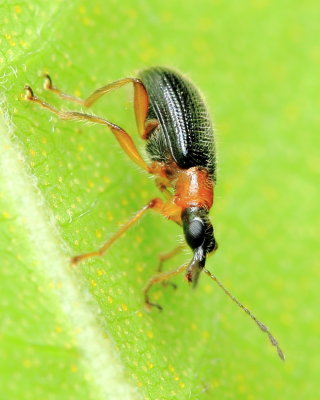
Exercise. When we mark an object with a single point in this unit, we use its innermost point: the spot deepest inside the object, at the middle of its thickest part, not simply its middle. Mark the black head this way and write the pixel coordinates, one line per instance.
(198, 232)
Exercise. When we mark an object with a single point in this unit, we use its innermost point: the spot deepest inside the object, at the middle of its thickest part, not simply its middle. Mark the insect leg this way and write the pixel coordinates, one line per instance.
(153, 204)
(162, 277)
(48, 85)
(141, 100)
(166, 256)
(95, 96)
(122, 136)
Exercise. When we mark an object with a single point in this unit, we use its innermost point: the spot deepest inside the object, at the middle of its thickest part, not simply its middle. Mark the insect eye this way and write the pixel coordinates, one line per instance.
(195, 234)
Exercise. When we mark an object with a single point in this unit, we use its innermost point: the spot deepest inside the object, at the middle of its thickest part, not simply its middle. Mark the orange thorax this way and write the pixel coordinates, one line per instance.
(193, 188)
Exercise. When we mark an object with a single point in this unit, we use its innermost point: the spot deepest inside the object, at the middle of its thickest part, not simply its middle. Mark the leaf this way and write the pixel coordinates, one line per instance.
(73, 333)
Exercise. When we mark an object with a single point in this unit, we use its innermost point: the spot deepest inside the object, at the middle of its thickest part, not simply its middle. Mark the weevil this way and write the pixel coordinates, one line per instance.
(173, 120)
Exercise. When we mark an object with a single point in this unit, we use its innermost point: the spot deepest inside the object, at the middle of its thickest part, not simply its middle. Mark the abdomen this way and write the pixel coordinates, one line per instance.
(185, 133)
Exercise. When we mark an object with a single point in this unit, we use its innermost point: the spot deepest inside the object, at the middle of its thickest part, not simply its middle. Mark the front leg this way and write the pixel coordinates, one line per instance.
(162, 277)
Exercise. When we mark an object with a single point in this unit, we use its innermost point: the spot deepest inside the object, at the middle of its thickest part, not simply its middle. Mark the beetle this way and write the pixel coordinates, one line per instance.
(173, 120)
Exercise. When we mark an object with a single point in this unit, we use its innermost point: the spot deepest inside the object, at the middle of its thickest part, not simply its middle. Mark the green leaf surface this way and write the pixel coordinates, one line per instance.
(83, 333)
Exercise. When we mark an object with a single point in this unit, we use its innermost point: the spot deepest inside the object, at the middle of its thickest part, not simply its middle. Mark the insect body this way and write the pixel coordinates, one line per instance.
(173, 120)
(181, 147)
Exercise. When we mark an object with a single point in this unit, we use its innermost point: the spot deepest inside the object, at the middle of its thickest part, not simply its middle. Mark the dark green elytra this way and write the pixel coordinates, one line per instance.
(185, 132)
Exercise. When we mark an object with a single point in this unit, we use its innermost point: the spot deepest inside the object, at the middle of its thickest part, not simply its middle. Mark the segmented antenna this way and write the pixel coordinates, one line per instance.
(264, 329)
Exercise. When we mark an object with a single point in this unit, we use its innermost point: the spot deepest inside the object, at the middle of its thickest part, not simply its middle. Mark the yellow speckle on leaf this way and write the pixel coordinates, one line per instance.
(17, 9)
(132, 13)
(182, 385)
(150, 334)
(91, 184)
(259, 4)
(166, 16)
(98, 234)
(109, 216)
(110, 299)
(144, 194)
(80, 147)
(58, 329)
(100, 272)
(242, 388)
(171, 368)
(208, 288)
(93, 282)
(139, 268)
(193, 327)
(23, 43)
(205, 335)
(287, 319)
(33, 152)
(215, 383)
(150, 365)
(77, 93)
(27, 363)
(205, 23)
(124, 307)
(73, 368)
(87, 21)
(6, 215)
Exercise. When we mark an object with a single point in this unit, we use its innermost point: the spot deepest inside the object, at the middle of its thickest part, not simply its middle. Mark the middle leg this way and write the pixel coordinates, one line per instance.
(155, 204)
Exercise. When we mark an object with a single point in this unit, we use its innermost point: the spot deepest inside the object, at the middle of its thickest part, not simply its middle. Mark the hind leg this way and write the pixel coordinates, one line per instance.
(121, 135)
(141, 100)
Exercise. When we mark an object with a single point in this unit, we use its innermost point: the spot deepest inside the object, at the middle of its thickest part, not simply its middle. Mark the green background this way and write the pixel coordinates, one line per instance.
(83, 333)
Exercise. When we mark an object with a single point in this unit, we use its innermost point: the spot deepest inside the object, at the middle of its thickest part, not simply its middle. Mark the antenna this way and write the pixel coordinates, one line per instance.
(263, 328)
